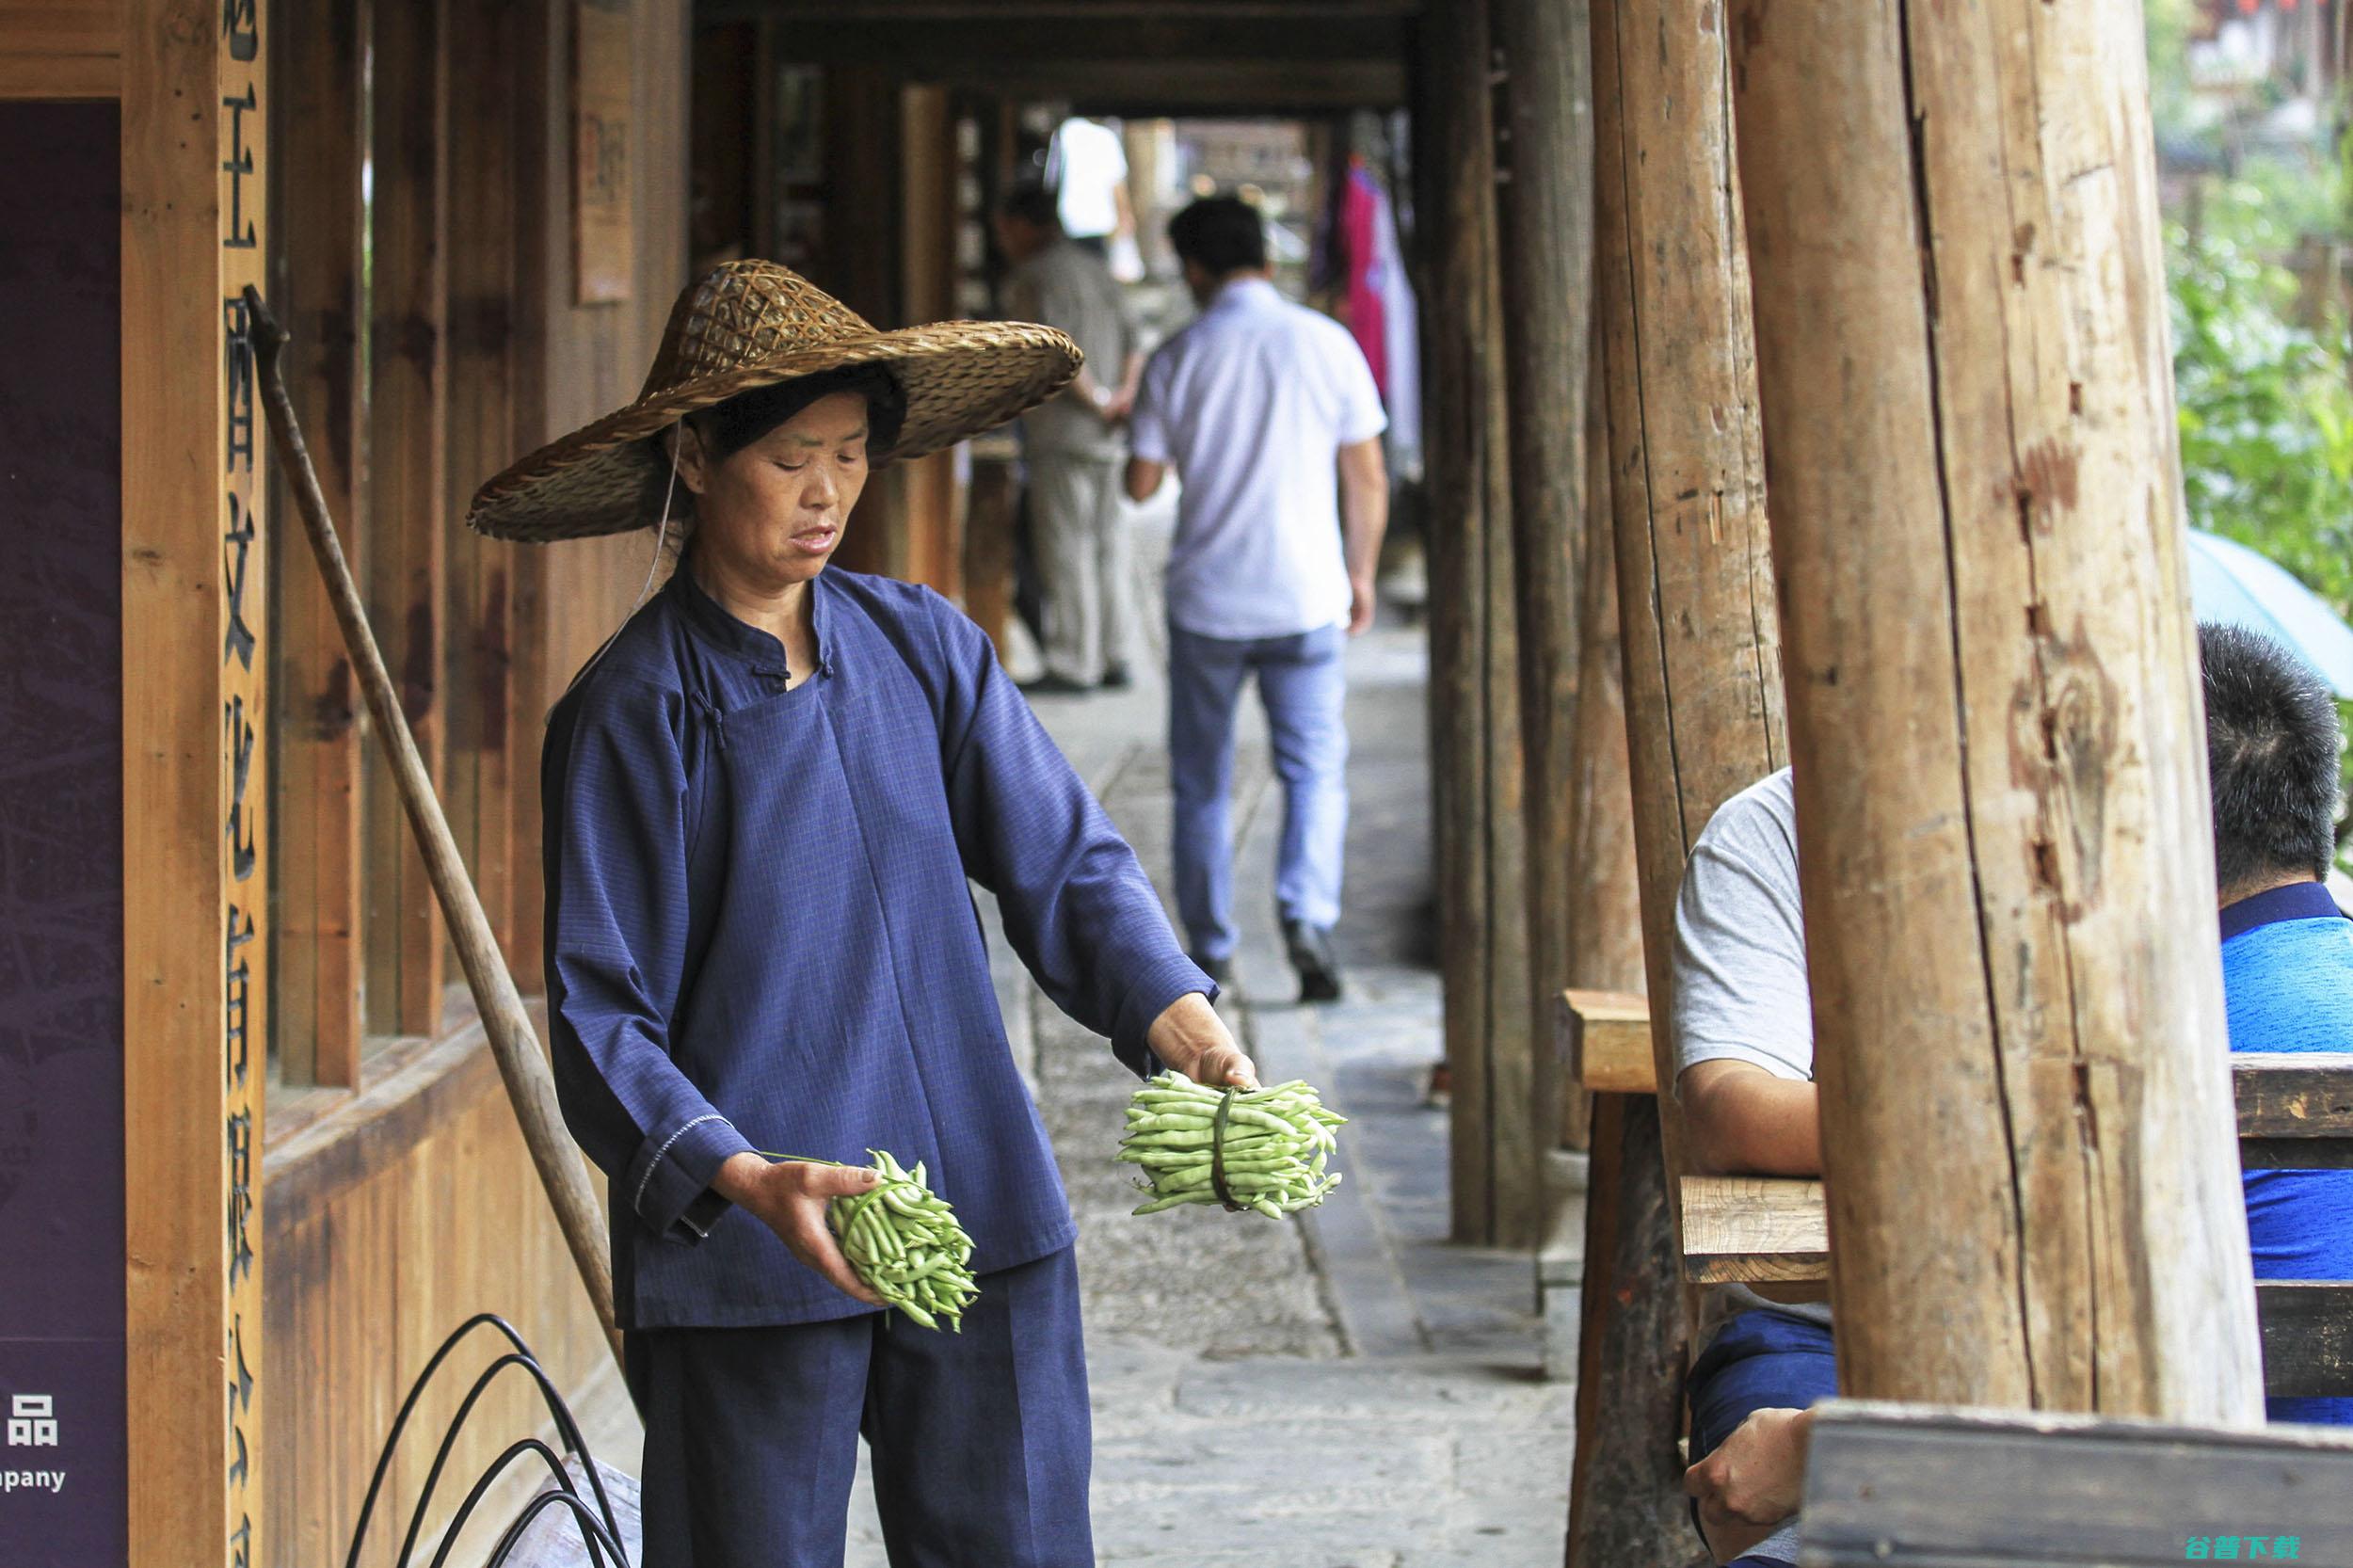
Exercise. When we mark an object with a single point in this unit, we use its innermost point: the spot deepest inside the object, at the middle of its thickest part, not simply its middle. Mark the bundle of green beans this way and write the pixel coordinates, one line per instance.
(904, 1242)
(1267, 1146)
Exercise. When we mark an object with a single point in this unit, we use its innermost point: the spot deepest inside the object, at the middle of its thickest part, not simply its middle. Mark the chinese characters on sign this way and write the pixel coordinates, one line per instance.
(244, 749)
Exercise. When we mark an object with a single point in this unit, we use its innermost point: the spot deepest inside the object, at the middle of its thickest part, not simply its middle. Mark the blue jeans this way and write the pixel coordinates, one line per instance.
(1302, 684)
(1759, 1360)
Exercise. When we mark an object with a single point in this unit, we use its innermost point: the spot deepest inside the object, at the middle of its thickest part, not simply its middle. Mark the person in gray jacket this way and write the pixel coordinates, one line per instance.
(1075, 447)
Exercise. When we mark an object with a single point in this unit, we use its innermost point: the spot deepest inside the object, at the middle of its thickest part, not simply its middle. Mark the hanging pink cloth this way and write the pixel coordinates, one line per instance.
(1360, 216)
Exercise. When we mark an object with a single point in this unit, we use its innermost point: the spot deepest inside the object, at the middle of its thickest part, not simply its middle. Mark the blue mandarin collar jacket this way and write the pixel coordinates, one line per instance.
(759, 934)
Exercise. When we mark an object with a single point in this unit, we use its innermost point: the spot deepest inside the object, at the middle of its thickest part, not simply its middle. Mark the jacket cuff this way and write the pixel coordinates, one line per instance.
(1149, 997)
(668, 1184)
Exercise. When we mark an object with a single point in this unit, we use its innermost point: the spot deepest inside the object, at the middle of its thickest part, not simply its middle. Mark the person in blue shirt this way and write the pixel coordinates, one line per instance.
(764, 801)
(2272, 754)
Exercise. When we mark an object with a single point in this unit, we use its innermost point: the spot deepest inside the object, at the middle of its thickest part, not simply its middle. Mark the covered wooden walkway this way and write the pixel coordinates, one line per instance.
(1904, 259)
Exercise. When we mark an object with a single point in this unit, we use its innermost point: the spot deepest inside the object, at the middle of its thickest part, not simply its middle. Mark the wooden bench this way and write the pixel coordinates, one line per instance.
(1890, 1485)
(2295, 1111)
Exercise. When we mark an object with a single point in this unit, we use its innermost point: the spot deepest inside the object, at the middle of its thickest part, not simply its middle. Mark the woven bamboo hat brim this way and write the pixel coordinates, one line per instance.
(752, 324)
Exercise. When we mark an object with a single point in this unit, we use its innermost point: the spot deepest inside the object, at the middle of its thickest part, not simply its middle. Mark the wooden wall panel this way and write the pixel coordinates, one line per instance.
(406, 550)
(61, 48)
(578, 362)
(480, 422)
(383, 1244)
(415, 1204)
(320, 62)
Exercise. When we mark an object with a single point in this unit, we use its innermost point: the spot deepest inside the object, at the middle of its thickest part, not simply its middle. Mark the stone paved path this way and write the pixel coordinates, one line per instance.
(1348, 1392)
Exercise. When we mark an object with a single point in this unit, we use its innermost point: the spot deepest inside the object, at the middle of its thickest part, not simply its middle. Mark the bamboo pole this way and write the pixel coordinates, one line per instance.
(1546, 205)
(2003, 821)
(513, 1042)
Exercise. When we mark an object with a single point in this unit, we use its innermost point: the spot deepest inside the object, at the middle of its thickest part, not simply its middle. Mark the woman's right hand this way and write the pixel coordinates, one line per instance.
(789, 1197)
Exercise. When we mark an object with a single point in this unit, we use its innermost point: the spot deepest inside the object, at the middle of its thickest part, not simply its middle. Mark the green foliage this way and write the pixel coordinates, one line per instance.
(2266, 407)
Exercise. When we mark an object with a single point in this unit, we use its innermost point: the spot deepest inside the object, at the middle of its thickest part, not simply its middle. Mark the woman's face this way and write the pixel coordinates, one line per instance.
(778, 507)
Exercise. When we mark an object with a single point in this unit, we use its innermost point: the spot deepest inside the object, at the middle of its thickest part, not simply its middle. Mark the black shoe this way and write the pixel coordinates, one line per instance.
(1220, 970)
(1054, 685)
(1311, 954)
(1116, 679)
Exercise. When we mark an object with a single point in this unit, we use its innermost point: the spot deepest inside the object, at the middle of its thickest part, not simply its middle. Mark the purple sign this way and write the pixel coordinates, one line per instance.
(62, 1443)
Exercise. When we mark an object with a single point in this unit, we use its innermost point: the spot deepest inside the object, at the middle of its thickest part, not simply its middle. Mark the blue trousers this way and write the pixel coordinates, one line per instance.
(1302, 684)
(982, 1441)
(1759, 1360)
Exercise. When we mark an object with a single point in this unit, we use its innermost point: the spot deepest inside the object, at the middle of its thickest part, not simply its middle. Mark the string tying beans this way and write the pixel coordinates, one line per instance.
(1261, 1149)
(905, 1242)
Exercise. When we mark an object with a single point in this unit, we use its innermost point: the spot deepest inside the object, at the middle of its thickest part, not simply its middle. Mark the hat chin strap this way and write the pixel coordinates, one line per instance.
(661, 538)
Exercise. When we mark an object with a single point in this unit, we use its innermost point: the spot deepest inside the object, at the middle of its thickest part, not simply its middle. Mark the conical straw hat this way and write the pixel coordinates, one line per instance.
(751, 324)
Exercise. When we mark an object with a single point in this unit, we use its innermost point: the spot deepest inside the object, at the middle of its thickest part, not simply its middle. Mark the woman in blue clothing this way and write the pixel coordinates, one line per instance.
(763, 801)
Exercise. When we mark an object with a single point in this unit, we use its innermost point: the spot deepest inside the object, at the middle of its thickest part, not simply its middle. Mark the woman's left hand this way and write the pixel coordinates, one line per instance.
(1195, 1041)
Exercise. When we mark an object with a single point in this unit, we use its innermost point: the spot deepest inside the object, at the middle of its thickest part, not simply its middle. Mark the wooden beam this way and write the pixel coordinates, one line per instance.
(2292, 1093)
(2003, 823)
(1738, 1229)
(61, 49)
(408, 552)
(1545, 209)
(196, 101)
(1911, 1486)
(1605, 1042)
(321, 54)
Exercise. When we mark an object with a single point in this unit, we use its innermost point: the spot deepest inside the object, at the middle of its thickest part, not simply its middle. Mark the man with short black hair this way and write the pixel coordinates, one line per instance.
(1268, 412)
(1073, 446)
(2273, 750)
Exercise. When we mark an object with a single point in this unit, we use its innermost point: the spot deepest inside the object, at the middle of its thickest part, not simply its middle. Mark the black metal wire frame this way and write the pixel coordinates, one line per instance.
(568, 1428)
(597, 1543)
(589, 1529)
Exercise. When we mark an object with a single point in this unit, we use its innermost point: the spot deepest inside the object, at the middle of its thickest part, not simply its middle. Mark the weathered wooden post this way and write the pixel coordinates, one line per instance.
(1545, 142)
(1701, 659)
(2026, 1111)
(1474, 688)
(1626, 1195)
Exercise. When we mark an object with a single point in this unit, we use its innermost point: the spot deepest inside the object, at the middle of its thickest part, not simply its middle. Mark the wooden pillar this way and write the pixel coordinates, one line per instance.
(1546, 211)
(1696, 587)
(2002, 808)
(320, 52)
(1475, 701)
(407, 551)
(1702, 676)
(1624, 1499)
(196, 105)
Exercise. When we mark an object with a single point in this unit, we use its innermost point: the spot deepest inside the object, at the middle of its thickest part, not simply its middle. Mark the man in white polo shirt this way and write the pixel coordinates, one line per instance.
(1268, 413)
